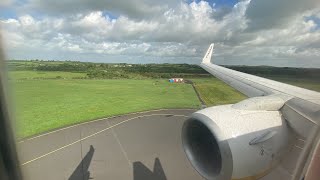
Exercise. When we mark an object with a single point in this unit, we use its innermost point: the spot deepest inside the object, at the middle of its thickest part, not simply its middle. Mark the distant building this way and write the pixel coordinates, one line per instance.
(176, 80)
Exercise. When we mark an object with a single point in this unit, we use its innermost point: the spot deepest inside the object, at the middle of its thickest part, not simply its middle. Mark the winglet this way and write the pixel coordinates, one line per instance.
(207, 57)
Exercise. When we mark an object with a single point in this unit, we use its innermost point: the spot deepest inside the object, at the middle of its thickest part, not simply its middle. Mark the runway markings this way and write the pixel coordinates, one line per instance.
(96, 133)
(101, 119)
(121, 147)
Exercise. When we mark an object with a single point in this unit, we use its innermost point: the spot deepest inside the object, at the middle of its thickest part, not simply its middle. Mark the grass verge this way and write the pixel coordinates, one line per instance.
(43, 105)
(215, 92)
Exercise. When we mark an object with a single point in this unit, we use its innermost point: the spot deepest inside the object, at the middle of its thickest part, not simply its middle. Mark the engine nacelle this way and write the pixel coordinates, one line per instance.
(235, 141)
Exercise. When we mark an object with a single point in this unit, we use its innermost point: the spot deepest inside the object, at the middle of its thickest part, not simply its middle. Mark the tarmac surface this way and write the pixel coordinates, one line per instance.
(139, 146)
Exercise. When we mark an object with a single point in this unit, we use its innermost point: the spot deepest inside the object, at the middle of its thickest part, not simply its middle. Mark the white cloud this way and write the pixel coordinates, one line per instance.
(5, 3)
(135, 8)
(276, 14)
(173, 30)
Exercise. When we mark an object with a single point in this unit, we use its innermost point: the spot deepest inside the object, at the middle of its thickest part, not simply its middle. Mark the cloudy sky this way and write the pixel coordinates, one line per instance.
(256, 32)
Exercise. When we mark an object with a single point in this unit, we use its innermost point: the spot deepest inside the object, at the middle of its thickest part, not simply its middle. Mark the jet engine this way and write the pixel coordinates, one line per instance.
(244, 140)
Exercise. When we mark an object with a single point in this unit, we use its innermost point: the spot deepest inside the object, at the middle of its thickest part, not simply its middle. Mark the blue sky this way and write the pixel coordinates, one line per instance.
(247, 32)
(8, 13)
(316, 20)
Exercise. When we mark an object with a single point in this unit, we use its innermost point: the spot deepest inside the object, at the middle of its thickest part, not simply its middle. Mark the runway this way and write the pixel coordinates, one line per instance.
(137, 146)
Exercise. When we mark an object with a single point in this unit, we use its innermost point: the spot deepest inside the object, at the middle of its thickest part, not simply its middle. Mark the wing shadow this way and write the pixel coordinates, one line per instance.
(141, 172)
(81, 172)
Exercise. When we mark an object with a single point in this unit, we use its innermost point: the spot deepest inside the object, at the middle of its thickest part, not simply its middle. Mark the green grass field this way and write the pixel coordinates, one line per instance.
(215, 92)
(43, 105)
(47, 100)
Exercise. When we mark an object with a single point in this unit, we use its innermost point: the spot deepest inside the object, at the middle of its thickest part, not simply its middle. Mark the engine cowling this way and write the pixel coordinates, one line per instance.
(235, 141)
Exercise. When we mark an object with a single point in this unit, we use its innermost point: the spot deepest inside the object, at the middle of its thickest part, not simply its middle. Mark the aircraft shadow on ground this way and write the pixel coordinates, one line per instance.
(141, 172)
(82, 172)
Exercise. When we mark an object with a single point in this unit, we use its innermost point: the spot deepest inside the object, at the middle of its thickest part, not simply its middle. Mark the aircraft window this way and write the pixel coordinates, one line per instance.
(107, 89)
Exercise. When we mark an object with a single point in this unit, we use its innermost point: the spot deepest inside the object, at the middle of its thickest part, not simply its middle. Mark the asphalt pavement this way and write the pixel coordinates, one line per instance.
(139, 146)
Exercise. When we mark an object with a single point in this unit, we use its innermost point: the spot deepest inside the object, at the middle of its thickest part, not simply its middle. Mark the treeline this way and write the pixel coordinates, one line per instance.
(288, 72)
(142, 71)
(137, 75)
(113, 71)
(85, 66)
(50, 66)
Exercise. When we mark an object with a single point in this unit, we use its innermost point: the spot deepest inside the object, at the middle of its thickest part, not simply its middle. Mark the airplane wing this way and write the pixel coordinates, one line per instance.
(271, 135)
(252, 86)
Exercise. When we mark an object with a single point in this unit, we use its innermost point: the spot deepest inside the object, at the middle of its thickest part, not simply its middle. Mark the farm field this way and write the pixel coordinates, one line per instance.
(43, 105)
(215, 92)
(58, 94)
